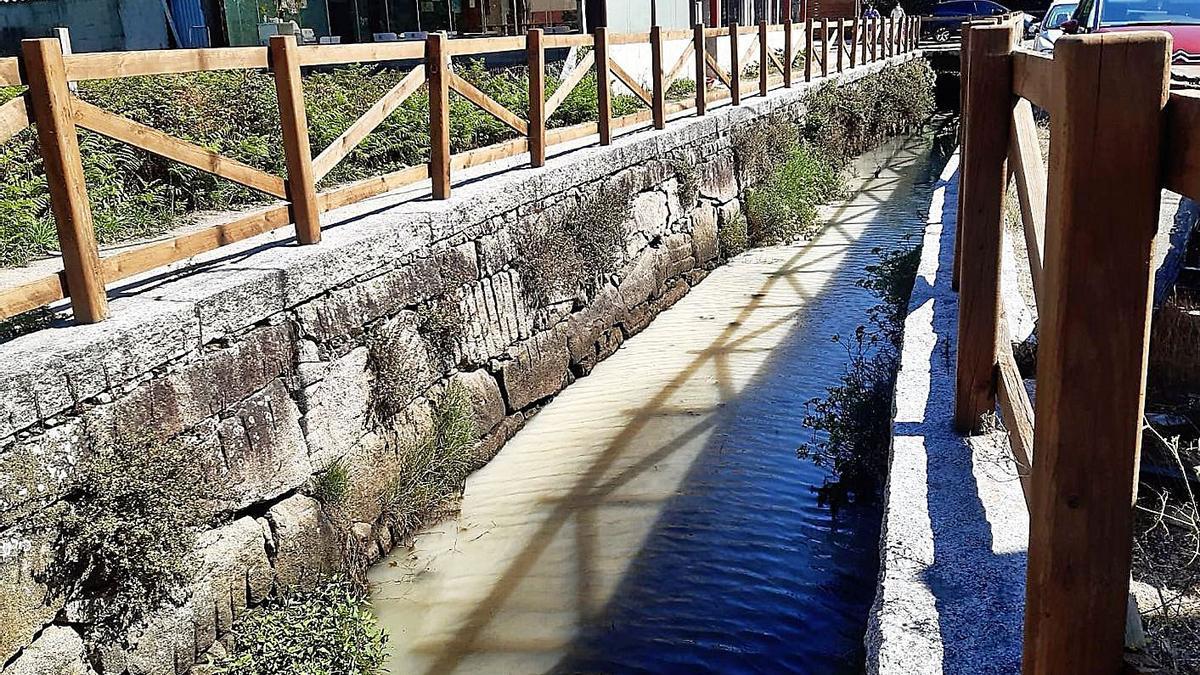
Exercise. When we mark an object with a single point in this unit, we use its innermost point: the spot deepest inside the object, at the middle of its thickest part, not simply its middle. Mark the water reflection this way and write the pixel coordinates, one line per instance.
(654, 516)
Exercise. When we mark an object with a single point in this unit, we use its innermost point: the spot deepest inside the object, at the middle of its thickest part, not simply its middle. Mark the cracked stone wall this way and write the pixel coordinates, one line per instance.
(273, 361)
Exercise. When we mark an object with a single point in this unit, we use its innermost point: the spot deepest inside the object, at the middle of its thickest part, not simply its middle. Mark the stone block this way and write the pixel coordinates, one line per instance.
(36, 471)
(23, 607)
(497, 251)
(640, 279)
(677, 259)
(537, 370)
(346, 311)
(651, 215)
(202, 388)
(717, 178)
(336, 408)
(57, 651)
(403, 362)
(258, 453)
(307, 544)
(487, 403)
(705, 246)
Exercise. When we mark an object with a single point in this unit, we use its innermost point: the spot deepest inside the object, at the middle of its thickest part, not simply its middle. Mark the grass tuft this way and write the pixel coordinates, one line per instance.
(328, 630)
(433, 469)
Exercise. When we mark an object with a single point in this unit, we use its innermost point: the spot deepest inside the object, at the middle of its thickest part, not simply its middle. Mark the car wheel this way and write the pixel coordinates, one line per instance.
(942, 35)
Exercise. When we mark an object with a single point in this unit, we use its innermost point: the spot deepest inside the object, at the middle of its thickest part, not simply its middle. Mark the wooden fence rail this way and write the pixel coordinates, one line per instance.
(1118, 136)
(57, 113)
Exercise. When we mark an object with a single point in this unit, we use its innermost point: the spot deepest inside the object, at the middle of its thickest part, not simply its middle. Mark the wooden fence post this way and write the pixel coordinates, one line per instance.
(735, 69)
(989, 107)
(537, 96)
(658, 93)
(789, 49)
(853, 41)
(701, 69)
(824, 47)
(963, 90)
(763, 62)
(59, 146)
(439, 114)
(1102, 216)
(841, 44)
(297, 154)
(808, 49)
(603, 87)
(865, 40)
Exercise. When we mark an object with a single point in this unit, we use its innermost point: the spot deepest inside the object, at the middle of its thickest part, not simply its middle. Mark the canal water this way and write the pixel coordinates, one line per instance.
(654, 517)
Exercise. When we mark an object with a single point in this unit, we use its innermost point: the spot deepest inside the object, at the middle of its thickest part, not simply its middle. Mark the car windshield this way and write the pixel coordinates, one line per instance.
(1132, 12)
(1057, 15)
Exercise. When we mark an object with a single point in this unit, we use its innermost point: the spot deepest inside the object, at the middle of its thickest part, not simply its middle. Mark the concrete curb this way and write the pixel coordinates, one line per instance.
(951, 589)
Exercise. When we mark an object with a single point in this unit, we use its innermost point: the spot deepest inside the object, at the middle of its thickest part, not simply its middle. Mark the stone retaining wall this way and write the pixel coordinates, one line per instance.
(271, 362)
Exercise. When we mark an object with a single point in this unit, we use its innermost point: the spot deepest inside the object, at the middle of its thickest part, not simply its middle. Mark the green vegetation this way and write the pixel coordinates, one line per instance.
(235, 113)
(331, 487)
(732, 236)
(843, 122)
(126, 532)
(433, 469)
(784, 206)
(851, 424)
(688, 175)
(329, 630)
(575, 251)
(795, 168)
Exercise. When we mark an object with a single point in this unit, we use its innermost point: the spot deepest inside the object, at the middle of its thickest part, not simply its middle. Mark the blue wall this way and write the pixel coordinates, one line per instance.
(96, 25)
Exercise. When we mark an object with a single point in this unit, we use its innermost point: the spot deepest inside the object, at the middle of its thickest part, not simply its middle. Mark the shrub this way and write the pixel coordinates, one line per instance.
(851, 424)
(433, 469)
(126, 533)
(574, 252)
(732, 236)
(329, 630)
(760, 147)
(842, 122)
(688, 175)
(784, 206)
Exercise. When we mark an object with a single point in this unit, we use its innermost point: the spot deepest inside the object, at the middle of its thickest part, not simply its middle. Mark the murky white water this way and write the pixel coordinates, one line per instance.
(654, 516)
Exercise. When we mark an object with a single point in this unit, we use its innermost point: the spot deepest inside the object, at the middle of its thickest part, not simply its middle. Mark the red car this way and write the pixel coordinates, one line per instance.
(1180, 18)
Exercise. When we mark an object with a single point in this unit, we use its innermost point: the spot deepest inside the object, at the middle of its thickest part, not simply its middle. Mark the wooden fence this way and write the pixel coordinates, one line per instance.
(1118, 135)
(56, 112)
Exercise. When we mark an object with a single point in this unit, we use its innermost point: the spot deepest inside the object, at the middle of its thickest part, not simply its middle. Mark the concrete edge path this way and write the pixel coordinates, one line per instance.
(951, 590)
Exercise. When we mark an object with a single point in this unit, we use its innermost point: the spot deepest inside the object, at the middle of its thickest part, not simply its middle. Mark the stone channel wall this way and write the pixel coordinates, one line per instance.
(270, 362)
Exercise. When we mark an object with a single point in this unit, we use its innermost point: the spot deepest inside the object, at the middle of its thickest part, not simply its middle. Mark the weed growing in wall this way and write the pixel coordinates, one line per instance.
(328, 630)
(732, 236)
(760, 147)
(433, 469)
(851, 424)
(442, 323)
(572, 254)
(842, 122)
(126, 534)
(688, 175)
(331, 487)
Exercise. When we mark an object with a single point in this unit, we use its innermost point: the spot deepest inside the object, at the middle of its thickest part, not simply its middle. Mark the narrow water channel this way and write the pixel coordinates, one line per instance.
(654, 517)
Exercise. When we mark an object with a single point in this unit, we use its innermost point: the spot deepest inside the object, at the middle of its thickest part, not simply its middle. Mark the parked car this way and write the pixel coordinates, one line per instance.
(1180, 18)
(1050, 28)
(945, 22)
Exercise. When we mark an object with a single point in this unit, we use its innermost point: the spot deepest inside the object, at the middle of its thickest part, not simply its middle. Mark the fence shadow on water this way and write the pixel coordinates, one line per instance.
(667, 481)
